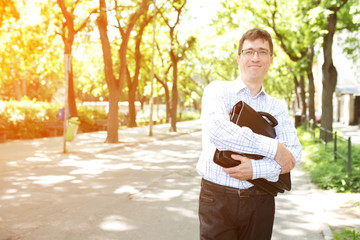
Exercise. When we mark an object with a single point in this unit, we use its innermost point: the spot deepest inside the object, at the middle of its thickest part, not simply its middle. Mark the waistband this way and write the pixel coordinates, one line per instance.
(250, 192)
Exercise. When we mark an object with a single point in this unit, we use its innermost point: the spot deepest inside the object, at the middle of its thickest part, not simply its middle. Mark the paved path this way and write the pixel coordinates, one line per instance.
(350, 131)
(143, 188)
(122, 191)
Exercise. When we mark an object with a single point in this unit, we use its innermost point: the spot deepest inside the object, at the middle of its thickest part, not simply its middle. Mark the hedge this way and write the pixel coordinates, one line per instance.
(25, 119)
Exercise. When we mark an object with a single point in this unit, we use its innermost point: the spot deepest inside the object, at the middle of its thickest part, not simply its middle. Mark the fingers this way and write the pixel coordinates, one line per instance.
(242, 171)
(284, 158)
(237, 157)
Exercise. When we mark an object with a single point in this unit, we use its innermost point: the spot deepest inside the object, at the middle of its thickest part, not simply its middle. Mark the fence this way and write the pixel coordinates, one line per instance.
(332, 135)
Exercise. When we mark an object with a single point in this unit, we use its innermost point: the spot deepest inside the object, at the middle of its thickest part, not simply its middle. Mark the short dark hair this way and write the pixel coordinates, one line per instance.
(254, 34)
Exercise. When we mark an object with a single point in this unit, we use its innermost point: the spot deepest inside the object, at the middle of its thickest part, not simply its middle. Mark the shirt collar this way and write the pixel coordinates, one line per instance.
(239, 85)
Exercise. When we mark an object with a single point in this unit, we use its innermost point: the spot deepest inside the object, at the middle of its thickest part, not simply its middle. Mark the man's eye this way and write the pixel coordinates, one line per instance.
(249, 52)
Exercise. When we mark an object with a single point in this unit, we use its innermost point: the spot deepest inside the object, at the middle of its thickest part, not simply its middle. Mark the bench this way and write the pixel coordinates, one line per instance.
(101, 124)
(54, 127)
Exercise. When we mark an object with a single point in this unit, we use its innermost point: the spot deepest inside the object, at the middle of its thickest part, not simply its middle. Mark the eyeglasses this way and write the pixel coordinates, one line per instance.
(250, 53)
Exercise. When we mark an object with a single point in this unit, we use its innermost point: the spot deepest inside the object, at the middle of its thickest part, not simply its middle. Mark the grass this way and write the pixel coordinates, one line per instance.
(325, 171)
(347, 235)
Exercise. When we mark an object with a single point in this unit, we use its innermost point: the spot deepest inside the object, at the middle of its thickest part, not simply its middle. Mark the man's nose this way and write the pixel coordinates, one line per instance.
(256, 56)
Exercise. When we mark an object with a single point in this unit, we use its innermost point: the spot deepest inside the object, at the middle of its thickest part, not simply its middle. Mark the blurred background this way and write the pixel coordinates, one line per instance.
(114, 63)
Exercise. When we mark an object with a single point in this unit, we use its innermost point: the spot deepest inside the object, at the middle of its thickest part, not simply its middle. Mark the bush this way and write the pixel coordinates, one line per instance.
(324, 170)
(25, 119)
(189, 115)
(87, 116)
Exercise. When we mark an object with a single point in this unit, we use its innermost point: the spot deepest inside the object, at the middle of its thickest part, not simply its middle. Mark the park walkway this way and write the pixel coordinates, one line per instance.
(143, 188)
(349, 131)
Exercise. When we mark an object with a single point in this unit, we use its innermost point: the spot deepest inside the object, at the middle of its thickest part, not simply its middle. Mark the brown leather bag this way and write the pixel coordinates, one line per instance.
(261, 123)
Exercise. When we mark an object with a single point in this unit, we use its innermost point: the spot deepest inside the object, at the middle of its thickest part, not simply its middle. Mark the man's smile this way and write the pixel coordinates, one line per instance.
(254, 66)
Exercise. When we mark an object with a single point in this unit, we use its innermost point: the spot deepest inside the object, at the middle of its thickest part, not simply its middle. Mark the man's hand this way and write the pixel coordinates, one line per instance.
(284, 158)
(242, 171)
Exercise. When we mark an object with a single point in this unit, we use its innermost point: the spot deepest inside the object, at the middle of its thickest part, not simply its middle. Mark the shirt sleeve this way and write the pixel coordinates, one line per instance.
(224, 134)
(285, 134)
(266, 168)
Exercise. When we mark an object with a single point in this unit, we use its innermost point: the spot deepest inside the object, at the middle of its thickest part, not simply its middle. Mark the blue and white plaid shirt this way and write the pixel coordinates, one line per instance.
(219, 132)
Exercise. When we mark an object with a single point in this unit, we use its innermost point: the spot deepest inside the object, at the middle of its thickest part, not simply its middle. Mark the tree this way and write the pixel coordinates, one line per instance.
(68, 32)
(115, 85)
(29, 66)
(310, 58)
(329, 73)
(327, 18)
(295, 40)
(275, 17)
(161, 76)
(133, 81)
(176, 54)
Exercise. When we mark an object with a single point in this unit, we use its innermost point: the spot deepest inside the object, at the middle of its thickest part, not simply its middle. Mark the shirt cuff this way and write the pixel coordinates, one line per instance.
(265, 168)
(268, 147)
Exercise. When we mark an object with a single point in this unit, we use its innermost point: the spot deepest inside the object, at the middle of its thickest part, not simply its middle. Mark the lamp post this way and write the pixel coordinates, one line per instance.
(67, 60)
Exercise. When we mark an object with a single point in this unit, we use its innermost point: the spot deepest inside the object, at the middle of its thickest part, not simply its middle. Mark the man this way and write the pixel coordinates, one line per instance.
(229, 206)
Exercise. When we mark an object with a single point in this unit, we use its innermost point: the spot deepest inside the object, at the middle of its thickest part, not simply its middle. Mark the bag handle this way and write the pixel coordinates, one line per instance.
(272, 121)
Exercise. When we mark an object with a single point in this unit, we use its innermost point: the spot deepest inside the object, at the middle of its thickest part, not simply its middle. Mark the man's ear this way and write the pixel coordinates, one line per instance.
(238, 59)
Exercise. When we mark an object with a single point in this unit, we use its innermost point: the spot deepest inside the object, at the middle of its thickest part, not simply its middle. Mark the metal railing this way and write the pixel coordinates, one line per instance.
(329, 136)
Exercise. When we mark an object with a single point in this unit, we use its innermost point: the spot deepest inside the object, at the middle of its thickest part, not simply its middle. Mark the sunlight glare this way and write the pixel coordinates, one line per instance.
(165, 195)
(38, 159)
(183, 211)
(51, 179)
(32, 15)
(116, 223)
(126, 189)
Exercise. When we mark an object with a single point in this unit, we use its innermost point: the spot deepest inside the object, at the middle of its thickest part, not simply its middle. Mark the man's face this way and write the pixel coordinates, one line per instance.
(254, 67)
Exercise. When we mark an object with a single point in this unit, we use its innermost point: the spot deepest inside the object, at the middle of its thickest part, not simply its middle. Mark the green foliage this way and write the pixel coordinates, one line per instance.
(25, 119)
(87, 116)
(324, 170)
(32, 63)
(189, 115)
(347, 235)
(89, 72)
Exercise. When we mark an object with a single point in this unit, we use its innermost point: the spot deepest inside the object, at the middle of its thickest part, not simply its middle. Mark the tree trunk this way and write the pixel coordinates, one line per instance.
(297, 95)
(113, 84)
(303, 96)
(175, 58)
(126, 37)
(329, 73)
(174, 99)
(133, 83)
(311, 85)
(71, 92)
(68, 39)
(168, 104)
(113, 120)
(167, 96)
